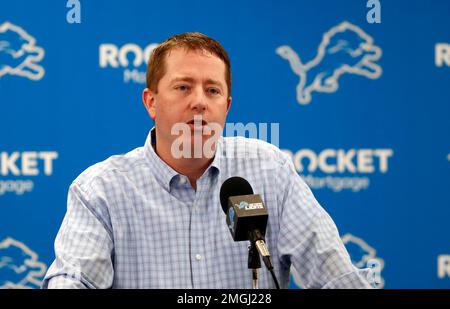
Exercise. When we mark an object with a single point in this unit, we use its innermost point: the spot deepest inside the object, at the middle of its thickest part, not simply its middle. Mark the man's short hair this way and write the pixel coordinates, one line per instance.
(189, 41)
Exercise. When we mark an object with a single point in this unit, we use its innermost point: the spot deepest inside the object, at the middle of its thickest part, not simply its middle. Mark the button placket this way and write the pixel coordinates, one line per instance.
(199, 272)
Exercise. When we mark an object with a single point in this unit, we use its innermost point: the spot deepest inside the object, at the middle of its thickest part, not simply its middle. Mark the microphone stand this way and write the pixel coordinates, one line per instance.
(254, 263)
(258, 245)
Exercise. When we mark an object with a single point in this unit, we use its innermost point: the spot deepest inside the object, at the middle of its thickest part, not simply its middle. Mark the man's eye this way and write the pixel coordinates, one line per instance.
(182, 88)
(214, 91)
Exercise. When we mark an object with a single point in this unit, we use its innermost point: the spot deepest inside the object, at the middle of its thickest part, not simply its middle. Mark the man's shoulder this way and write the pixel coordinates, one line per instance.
(110, 169)
(247, 148)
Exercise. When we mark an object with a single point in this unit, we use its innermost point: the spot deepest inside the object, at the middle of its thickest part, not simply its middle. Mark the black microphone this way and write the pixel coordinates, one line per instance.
(246, 216)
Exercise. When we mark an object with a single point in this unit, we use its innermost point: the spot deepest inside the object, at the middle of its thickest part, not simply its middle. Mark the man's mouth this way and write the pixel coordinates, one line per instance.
(197, 123)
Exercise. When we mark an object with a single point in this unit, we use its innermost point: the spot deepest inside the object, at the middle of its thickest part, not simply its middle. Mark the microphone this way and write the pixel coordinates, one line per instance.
(246, 216)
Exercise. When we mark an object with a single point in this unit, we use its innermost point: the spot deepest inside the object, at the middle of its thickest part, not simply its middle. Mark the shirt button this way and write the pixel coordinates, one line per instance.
(182, 180)
(198, 257)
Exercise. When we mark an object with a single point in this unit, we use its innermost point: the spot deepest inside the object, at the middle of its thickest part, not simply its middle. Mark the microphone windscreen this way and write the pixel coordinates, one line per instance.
(233, 186)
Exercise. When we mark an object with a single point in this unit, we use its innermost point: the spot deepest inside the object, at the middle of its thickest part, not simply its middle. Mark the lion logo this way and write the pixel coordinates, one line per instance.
(345, 49)
(19, 54)
(362, 256)
(19, 266)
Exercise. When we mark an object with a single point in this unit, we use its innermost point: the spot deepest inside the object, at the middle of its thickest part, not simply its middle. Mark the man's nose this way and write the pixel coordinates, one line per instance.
(199, 100)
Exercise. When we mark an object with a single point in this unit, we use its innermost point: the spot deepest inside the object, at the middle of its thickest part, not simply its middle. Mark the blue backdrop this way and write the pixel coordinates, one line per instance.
(362, 107)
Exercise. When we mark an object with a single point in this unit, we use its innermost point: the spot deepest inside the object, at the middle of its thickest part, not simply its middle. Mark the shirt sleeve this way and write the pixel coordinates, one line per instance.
(309, 239)
(83, 247)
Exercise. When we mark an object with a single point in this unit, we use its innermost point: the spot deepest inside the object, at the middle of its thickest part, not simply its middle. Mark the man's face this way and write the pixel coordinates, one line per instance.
(193, 85)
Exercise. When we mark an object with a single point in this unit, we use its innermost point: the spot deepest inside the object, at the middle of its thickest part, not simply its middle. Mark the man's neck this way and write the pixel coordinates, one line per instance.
(192, 168)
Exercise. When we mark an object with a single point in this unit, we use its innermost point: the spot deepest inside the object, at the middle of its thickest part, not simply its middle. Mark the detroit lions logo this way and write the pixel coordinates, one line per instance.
(362, 256)
(19, 266)
(242, 205)
(345, 48)
(231, 219)
(19, 54)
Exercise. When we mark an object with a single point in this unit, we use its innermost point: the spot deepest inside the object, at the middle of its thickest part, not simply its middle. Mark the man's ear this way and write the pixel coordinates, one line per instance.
(228, 104)
(148, 98)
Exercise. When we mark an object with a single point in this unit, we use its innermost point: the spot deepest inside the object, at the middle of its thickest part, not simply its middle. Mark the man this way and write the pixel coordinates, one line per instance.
(152, 218)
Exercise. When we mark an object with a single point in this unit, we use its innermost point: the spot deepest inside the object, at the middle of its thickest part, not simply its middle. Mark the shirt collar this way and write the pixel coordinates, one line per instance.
(162, 171)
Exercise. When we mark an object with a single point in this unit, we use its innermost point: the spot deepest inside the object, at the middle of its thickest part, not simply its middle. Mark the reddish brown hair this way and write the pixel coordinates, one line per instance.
(189, 41)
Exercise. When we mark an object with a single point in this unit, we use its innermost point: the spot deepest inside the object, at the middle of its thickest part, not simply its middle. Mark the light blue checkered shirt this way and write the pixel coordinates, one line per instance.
(133, 222)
